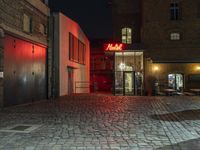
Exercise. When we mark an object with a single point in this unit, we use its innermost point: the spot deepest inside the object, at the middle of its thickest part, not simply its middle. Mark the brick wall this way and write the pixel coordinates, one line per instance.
(157, 27)
(11, 16)
(126, 13)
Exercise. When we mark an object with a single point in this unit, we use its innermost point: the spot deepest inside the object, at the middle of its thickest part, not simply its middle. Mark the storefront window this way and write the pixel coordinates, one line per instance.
(128, 73)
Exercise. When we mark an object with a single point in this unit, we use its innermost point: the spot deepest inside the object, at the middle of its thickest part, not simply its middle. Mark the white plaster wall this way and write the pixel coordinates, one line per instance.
(81, 73)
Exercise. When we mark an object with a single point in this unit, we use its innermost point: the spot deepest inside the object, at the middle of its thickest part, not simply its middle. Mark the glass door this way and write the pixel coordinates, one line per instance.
(175, 81)
(119, 83)
(129, 83)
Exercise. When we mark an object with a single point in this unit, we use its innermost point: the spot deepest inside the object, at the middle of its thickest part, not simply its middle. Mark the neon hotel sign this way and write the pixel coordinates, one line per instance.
(114, 47)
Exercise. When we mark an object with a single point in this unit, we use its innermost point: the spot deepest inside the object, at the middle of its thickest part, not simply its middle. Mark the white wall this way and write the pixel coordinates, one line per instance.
(81, 73)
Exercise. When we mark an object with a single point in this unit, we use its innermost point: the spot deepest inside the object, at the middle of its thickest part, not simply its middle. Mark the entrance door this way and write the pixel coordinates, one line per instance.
(70, 81)
(129, 83)
(175, 81)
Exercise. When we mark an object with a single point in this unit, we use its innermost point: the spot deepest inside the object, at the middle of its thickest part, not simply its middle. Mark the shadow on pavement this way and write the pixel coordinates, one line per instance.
(193, 144)
(179, 116)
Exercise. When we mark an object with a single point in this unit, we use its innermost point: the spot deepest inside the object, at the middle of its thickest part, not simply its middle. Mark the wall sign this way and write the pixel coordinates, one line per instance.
(114, 47)
(1, 74)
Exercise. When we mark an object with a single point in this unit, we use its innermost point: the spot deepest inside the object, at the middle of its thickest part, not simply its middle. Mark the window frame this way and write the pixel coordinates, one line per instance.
(126, 35)
(175, 36)
(27, 23)
(175, 11)
(77, 50)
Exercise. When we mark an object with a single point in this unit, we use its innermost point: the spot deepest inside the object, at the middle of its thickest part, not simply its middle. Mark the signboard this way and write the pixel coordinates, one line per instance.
(114, 47)
(1, 74)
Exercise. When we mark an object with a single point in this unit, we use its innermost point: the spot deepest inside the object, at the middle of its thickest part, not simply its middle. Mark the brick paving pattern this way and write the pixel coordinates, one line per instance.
(98, 122)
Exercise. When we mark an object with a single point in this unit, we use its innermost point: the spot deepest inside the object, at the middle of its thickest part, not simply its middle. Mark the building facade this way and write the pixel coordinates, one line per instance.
(167, 35)
(23, 51)
(71, 53)
(101, 68)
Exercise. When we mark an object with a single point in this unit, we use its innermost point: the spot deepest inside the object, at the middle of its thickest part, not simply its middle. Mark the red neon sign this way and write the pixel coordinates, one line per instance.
(114, 47)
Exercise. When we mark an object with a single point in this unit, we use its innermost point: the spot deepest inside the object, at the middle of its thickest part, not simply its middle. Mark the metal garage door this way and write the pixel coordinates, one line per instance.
(25, 71)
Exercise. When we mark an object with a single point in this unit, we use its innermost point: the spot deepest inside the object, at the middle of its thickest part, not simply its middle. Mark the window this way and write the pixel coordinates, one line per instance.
(127, 35)
(43, 29)
(175, 36)
(77, 50)
(174, 11)
(27, 23)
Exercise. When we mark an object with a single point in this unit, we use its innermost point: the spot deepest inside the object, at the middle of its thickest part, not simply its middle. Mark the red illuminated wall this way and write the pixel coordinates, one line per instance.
(101, 68)
(25, 71)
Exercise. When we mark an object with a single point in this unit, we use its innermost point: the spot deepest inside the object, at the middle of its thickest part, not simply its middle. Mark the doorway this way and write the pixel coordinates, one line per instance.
(70, 81)
(176, 82)
(128, 73)
(125, 83)
(129, 83)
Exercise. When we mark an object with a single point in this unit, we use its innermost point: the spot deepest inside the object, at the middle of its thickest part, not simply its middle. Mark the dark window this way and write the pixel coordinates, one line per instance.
(175, 11)
(194, 77)
(77, 49)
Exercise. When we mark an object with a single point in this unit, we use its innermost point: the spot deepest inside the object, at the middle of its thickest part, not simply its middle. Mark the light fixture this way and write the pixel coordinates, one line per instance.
(155, 68)
(198, 67)
(122, 66)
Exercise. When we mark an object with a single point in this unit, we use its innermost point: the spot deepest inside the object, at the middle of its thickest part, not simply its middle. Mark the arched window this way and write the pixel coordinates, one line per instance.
(127, 35)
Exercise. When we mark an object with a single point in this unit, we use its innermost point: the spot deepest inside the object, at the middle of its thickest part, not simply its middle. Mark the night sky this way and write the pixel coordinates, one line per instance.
(94, 16)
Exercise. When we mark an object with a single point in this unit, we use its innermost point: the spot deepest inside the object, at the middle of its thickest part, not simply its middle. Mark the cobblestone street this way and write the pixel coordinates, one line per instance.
(103, 122)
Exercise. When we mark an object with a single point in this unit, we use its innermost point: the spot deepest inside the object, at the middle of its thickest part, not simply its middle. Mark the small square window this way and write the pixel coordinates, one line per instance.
(175, 36)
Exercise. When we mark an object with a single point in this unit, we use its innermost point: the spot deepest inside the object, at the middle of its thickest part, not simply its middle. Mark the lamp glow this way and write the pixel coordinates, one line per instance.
(156, 68)
(122, 66)
(198, 68)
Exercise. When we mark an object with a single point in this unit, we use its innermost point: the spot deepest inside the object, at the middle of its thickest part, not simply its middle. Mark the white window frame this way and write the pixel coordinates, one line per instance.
(175, 36)
(126, 35)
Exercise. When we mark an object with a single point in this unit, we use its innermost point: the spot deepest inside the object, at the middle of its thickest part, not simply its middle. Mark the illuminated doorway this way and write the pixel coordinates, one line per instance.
(129, 83)
(128, 73)
(176, 82)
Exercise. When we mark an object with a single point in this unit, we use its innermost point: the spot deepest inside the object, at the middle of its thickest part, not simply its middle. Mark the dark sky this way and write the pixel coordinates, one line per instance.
(94, 16)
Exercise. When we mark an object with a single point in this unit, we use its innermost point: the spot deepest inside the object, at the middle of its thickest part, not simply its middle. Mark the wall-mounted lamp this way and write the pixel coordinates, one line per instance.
(198, 68)
(155, 68)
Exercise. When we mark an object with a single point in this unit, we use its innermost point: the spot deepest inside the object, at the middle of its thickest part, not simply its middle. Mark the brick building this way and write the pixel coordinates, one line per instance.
(23, 51)
(167, 33)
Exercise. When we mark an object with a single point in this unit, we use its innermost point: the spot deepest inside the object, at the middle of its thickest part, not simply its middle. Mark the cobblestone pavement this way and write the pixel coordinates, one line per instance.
(98, 122)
